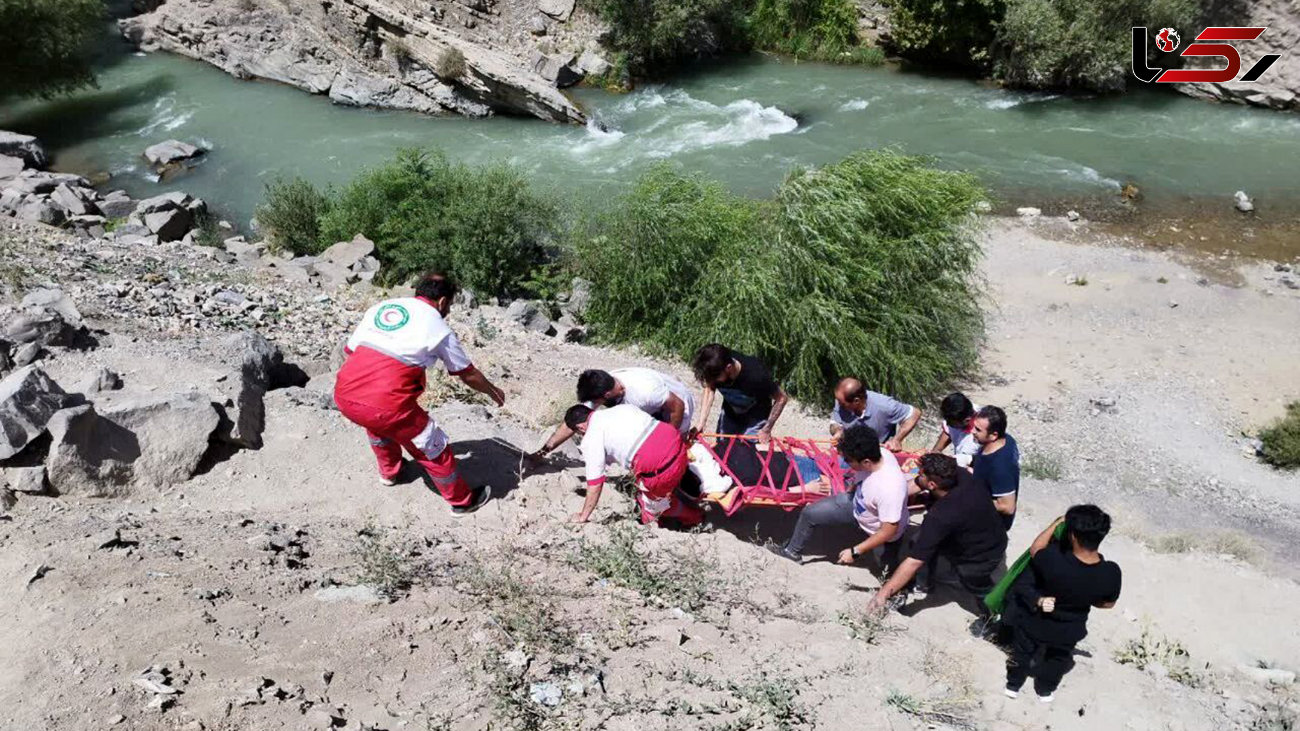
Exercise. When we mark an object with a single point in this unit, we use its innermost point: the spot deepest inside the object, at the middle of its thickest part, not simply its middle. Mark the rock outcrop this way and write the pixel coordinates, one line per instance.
(440, 57)
(1279, 87)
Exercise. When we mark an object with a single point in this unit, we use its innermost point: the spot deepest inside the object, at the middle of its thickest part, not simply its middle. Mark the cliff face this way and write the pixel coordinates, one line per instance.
(473, 57)
(1279, 88)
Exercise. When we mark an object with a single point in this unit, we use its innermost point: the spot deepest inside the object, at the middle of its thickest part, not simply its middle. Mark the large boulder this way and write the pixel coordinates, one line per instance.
(48, 318)
(172, 152)
(52, 298)
(24, 146)
(127, 440)
(116, 204)
(44, 183)
(76, 201)
(557, 70)
(39, 209)
(348, 254)
(528, 315)
(10, 167)
(169, 225)
(257, 366)
(558, 9)
(28, 400)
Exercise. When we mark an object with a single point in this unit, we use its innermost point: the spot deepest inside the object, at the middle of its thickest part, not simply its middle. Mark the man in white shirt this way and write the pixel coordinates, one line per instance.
(650, 449)
(878, 505)
(958, 429)
(658, 394)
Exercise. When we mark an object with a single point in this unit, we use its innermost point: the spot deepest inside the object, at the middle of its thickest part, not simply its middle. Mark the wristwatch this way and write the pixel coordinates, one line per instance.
(853, 551)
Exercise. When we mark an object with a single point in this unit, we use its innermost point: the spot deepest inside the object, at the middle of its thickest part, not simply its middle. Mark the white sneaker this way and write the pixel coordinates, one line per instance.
(1010, 693)
(390, 481)
(1045, 698)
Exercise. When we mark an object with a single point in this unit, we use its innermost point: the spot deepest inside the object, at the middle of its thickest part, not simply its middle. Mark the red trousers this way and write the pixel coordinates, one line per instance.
(412, 429)
(659, 466)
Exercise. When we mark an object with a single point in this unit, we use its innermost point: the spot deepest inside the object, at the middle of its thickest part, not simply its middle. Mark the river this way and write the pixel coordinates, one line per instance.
(746, 122)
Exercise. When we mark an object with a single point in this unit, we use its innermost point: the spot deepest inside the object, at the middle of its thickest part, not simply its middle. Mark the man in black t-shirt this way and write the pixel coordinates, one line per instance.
(997, 465)
(752, 400)
(962, 526)
(1048, 611)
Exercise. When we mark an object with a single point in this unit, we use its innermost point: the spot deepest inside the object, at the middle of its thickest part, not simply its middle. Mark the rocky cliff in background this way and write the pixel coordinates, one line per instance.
(471, 57)
(1279, 87)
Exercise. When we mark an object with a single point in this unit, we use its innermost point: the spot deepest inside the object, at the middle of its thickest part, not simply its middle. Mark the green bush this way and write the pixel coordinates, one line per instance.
(1078, 43)
(657, 35)
(484, 225)
(864, 267)
(1282, 439)
(822, 30)
(47, 45)
(290, 214)
(956, 32)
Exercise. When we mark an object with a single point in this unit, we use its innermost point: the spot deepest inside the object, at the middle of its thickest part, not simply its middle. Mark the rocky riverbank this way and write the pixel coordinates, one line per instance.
(470, 57)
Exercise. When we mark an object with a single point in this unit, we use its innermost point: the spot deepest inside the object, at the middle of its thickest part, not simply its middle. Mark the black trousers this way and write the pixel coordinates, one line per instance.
(1049, 662)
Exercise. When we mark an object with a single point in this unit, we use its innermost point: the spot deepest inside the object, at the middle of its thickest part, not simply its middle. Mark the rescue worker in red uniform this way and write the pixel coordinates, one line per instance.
(380, 384)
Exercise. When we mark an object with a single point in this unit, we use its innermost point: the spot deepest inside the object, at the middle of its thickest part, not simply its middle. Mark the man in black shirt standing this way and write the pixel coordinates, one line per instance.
(1048, 611)
(997, 465)
(752, 400)
(962, 526)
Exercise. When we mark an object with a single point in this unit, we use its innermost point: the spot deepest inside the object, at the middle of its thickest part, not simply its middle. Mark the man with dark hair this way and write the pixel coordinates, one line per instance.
(958, 429)
(997, 465)
(961, 526)
(752, 400)
(892, 419)
(379, 386)
(877, 504)
(651, 450)
(658, 394)
(1048, 611)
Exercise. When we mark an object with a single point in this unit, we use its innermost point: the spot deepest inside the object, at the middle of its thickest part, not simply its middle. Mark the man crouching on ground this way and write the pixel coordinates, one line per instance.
(380, 384)
(650, 449)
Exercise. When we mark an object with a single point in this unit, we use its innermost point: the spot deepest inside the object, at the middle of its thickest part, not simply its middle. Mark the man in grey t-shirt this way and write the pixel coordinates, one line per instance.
(892, 419)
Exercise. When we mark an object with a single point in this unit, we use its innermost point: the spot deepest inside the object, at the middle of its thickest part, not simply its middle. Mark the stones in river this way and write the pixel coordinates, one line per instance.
(171, 153)
(1244, 203)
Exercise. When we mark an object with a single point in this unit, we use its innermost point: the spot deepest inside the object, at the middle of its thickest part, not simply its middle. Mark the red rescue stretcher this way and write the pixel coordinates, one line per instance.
(778, 480)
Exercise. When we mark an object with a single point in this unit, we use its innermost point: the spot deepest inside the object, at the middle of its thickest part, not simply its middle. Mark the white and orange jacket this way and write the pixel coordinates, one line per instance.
(390, 350)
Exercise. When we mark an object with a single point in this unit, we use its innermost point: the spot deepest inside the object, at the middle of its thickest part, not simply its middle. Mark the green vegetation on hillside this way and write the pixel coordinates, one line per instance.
(650, 37)
(47, 45)
(1282, 439)
(866, 267)
(1071, 44)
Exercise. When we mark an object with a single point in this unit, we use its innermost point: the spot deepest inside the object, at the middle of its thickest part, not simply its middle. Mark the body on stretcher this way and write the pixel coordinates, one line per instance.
(735, 471)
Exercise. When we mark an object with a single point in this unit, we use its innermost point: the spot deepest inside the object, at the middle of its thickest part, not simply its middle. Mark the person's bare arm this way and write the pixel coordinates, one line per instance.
(1043, 538)
(895, 443)
(475, 379)
(942, 442)
(676, 410)
(881, 537)
(1005, 504)
(706, 405)
(778, 405)
(902, 577)
(589, 505)
(558, 437)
